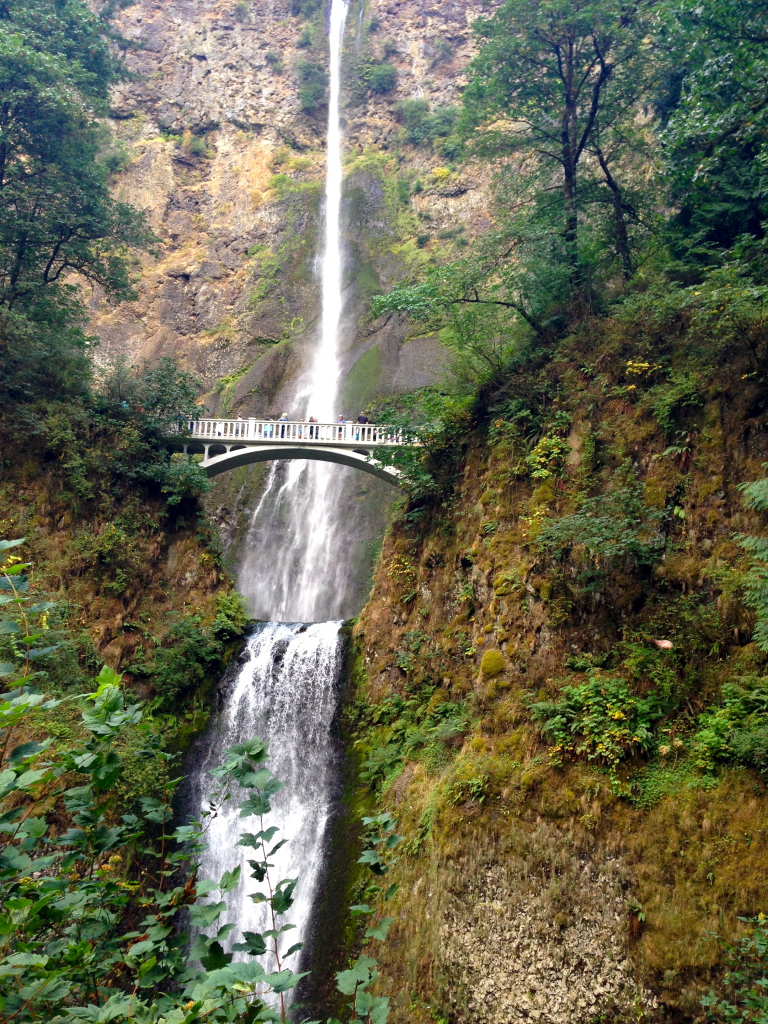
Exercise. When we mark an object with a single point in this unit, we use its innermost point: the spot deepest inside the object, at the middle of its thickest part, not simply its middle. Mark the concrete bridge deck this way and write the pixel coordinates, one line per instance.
(227, 443)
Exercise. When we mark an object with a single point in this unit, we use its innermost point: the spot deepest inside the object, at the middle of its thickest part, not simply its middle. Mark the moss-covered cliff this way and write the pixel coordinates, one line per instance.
(587, 541)
(134, 582)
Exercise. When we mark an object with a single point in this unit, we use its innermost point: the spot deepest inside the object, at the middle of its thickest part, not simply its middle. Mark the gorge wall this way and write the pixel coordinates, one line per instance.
(228, 165)
(532, 885)
(220, 139)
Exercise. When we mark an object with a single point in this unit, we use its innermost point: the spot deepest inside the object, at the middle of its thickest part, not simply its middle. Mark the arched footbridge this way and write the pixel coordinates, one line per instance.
(226, 444)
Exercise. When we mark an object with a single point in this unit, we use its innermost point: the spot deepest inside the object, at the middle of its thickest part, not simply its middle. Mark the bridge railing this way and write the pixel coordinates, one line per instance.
(265, 431)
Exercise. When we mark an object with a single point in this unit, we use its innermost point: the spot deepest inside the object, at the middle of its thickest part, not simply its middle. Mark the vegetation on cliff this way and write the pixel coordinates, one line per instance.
(564, 653)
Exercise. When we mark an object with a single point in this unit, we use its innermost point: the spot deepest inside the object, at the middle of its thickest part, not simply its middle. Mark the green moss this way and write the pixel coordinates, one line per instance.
(492, 663)
(360, 383)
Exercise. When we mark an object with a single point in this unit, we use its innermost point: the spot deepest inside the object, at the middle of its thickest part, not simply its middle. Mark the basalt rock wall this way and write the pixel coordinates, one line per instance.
(221, 146)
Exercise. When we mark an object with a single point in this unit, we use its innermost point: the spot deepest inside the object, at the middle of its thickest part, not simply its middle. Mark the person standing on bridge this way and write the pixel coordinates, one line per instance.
(283, 421)
(312, 429)
(362, 418)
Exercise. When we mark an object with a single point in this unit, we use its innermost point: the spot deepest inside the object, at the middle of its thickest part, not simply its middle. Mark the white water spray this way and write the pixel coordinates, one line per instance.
(303, 579)
(285, 692)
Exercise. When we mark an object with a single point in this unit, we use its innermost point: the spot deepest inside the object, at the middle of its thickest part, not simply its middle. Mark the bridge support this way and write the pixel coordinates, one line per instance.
(244, 455)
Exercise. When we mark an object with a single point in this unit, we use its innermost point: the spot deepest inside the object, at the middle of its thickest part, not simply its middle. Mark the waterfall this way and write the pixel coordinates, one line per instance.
(286, 687)
(285, 692)
(304, 577)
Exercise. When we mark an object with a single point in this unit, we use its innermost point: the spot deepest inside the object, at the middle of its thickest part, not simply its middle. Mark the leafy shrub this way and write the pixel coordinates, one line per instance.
(191, 655)
(196, 146)
(736, 730)
(231, 617)
(680, 391)
(274, 61)
(381, 77)
(423, 127)
(609, 530)
(312, 85)
(548, 457)
(411, 728)
(746, 982)
(600, 719)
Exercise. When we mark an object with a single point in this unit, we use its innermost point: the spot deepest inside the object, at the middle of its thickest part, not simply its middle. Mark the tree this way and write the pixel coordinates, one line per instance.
(57, 216)
(715, 140)
(553, 82)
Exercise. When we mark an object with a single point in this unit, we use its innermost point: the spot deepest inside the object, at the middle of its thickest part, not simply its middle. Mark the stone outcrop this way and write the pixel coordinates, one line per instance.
(228, 167)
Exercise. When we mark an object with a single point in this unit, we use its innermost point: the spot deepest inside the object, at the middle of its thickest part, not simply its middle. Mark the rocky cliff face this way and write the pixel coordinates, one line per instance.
(532, 884)
(222, 145)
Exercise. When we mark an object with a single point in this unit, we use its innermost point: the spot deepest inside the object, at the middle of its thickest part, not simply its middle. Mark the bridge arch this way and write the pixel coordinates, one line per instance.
(246, 455)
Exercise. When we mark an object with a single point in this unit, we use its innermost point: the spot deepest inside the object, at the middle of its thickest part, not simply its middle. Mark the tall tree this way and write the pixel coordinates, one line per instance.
(552, 82)
(57, 216)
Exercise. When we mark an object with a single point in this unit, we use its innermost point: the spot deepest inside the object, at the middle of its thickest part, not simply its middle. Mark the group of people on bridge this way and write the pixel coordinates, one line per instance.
(308, 428)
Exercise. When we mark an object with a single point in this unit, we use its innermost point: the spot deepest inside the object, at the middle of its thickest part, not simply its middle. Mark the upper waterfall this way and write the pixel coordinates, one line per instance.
(324, 380)
(304, 578)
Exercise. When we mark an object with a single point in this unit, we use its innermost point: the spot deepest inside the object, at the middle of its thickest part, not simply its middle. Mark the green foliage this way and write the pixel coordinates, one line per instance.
(121, 434)
(379, 76)
(756, 581)
(599, 718)
(409, 728)
(191, 654)
(422, 127)
(548, 457)
(581, 66)
(666, 401)
(745, 999)
(57, 215)
(609, 531)
(274, 62)
(715, 136)
(82, 937)
(312, 85)
(736, 729)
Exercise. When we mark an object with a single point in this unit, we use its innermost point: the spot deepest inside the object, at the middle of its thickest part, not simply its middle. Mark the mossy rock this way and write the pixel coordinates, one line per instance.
(492, 663)
(501, 585)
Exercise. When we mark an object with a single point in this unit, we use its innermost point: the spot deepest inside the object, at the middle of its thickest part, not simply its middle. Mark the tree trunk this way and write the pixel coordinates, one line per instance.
(571, 231)
(622, 239)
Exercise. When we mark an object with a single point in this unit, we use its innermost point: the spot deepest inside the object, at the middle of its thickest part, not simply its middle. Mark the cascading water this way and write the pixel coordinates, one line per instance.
(303, 580)
(285, 690)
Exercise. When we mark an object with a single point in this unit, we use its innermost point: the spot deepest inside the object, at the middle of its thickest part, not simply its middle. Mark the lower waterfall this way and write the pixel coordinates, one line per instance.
(285, 691)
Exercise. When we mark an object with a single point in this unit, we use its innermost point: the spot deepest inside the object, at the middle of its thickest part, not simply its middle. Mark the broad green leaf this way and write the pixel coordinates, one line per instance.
(15, 570)
(230, 880)
(203, 915)
(147, 966)
(5, 545)
(381, 929)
